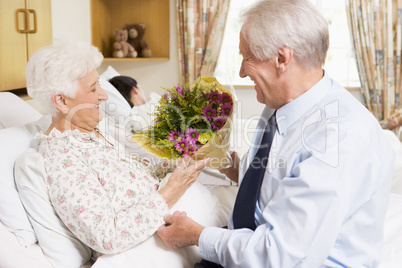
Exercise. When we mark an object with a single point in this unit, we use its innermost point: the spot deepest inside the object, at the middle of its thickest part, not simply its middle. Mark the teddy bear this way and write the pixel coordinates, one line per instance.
(122, 49)
(136, 32)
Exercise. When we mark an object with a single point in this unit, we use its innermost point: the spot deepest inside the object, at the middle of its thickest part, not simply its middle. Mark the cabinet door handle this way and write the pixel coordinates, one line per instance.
(27, 21)
(35, 29)
(25, 12)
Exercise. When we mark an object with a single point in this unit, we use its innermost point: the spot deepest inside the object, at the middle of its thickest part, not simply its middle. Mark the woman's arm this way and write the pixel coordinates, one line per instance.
(108, 206)
(182, 178)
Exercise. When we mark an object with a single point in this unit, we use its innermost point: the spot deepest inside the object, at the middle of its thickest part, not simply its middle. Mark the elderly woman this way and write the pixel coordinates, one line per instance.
(109, 200)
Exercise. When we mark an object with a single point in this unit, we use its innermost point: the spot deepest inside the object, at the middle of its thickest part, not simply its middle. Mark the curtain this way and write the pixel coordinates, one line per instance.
(376, 35)
(200, 28)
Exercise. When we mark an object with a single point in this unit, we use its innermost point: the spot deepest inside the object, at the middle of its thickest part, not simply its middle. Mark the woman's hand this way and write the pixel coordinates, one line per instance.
(182, 178)
(232, 172)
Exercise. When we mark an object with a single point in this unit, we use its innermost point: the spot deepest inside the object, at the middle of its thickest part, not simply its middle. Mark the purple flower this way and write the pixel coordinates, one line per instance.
(214, 96)
(179, 90)
(226, 109)
(164, 98)
(209, 112)
(225, 97)
(190, 151)
(218, 123)
(181, 145)
(174, 135)
(192, 135)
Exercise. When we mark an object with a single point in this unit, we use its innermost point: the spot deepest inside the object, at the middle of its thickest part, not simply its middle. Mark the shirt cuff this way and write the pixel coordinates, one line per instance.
(207, 243)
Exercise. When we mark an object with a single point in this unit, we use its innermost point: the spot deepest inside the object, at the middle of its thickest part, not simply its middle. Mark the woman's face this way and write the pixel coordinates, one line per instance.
(84, 108)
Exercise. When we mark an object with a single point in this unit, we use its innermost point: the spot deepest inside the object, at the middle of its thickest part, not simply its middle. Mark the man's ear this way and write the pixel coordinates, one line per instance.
(60, 102)
(284, 57)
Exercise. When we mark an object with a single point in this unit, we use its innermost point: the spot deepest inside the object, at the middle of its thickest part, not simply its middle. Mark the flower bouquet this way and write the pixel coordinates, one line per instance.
(192, 120)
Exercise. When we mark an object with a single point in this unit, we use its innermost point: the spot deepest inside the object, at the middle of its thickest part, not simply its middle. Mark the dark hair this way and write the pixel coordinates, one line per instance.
(124, 84)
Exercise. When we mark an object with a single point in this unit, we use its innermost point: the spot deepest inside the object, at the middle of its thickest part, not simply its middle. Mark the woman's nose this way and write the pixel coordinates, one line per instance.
(103, 95)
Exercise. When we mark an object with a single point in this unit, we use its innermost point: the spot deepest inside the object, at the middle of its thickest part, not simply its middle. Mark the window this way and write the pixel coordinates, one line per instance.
(340, 63)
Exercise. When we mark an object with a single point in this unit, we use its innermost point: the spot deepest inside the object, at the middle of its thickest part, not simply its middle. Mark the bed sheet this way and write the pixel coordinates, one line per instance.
(153, 253)
(14, 255)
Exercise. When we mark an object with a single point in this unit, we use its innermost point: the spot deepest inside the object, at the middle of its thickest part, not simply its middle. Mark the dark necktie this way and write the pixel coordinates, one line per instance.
(244, 208)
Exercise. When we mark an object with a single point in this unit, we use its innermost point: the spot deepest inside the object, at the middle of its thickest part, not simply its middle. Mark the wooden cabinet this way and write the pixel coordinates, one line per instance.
(108, 15)
(25, 25)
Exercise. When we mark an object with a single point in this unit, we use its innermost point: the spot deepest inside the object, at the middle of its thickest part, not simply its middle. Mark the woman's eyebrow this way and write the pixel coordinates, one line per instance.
(94, 83)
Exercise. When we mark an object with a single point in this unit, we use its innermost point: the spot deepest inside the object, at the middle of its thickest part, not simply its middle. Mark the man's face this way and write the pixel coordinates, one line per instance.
(262, 73)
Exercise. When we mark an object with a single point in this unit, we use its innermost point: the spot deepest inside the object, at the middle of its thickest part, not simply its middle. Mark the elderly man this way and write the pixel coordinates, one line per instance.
(313, 190)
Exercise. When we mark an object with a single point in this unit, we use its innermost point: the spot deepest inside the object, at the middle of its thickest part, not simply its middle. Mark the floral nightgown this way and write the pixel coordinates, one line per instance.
(108, 199)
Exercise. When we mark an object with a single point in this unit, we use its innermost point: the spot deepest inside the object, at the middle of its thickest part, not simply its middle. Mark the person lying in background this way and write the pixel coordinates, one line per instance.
(129, 89)
(110, 200)
(131, 118)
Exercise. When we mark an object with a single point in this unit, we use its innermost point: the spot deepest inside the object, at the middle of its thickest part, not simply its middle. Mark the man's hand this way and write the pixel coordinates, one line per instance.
(232, 172)
(180, 230)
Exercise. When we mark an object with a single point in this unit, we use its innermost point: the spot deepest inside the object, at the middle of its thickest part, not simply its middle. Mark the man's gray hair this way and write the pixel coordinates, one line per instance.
(297, 24)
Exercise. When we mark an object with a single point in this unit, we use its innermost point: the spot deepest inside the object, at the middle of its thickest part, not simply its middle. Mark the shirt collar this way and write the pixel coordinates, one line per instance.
(292, 111)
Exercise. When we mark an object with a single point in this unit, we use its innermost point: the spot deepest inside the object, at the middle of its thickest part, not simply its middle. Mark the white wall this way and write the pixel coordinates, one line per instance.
(71, 19)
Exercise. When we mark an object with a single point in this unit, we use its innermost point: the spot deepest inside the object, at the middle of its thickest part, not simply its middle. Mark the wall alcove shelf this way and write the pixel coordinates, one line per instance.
(108, 15)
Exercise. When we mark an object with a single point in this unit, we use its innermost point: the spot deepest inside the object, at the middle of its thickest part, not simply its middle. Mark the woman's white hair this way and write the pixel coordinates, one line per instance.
(297, 24)
(56, 69)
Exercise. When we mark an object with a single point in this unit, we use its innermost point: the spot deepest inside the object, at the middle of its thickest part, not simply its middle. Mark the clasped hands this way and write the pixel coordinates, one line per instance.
(181, 231)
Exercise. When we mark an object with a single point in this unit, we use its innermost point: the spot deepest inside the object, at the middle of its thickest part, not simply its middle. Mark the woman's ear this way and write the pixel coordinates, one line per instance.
(60, 102)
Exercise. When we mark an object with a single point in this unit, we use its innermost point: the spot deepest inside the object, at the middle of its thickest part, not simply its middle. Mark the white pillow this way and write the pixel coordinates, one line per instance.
(15, 112)
(140, 116)
(116, 105)
(109, 73)
(139, 119)
(13, 142)
(59, 245)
